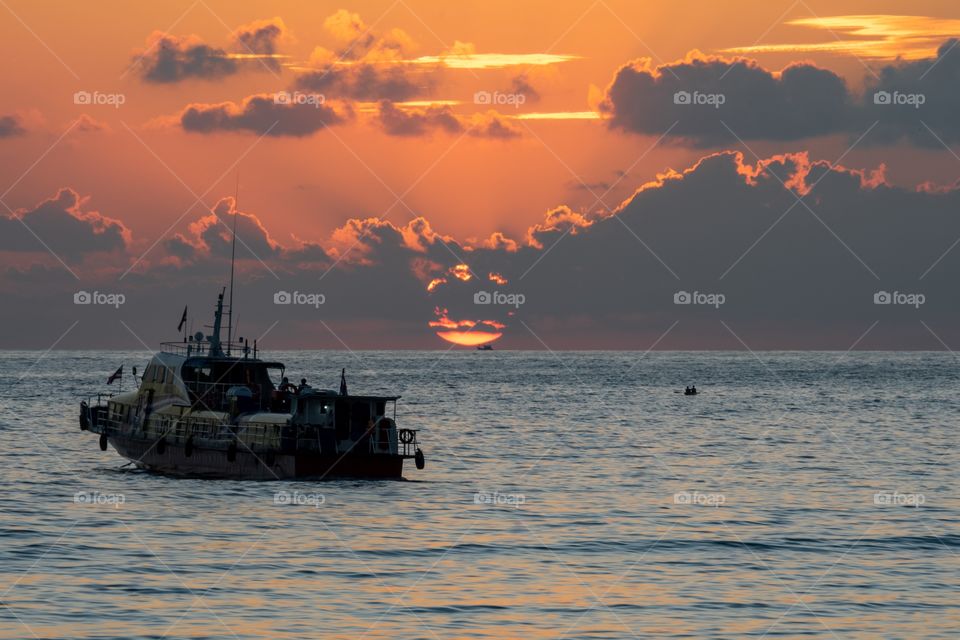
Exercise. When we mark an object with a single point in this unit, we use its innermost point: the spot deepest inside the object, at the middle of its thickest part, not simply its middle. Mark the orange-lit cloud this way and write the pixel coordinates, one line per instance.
(461, 272)
(877, 36)
(561, 220)
(493, 60)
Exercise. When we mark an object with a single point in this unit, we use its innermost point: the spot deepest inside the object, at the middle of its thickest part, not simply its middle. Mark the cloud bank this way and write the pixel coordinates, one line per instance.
(710, 101)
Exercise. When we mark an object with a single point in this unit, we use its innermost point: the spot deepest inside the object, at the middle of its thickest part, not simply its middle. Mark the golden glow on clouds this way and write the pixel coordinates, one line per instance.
(461, 272)
(493, 60)
(255, 56)
(869, 36)
(557, 115)
(374, 107)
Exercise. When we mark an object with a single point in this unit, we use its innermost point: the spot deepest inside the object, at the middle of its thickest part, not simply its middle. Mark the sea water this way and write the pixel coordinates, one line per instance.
(568, 494)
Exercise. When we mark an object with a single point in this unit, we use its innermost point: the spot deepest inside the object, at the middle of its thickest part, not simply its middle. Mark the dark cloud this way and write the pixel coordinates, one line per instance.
(708, 101)
(424, 121)
(598, 280)
(790, 277)
(894, 100)
(703, 99)
(361, 81)
(417, 122)
(262, 114)
(60, 225)
(521, 84)
(168, 58)
(262, 38)
(11, 126)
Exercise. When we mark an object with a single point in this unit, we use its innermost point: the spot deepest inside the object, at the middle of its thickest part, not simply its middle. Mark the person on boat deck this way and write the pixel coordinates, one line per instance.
(286, 387)
(303, 386)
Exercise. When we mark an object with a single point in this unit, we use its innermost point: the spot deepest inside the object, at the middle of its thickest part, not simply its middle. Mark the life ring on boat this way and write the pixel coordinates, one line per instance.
(84, 416)
(103, 442)
(188, 447)
(161, 445)
(406, 436)
(232, 452)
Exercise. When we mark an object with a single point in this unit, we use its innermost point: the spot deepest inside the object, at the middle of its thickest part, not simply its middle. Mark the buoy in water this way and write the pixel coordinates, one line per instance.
(419, 459)
(103, 442)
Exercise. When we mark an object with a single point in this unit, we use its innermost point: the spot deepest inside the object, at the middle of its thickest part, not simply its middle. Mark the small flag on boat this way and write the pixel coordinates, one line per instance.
(116, 375)
(183, 320)
(343, 382)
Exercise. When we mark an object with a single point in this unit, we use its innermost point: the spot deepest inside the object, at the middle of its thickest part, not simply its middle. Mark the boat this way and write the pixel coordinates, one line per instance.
(206, 408)
(690, 391)
(485, 347)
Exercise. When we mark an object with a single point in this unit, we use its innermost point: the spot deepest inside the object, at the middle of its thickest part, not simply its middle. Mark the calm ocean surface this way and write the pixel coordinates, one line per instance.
(801, 495)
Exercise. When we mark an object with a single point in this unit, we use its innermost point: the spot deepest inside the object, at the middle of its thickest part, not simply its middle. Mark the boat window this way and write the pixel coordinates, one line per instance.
(318, 411)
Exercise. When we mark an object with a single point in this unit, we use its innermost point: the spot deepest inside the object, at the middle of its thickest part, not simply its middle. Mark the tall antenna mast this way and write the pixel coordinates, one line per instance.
(233, 256)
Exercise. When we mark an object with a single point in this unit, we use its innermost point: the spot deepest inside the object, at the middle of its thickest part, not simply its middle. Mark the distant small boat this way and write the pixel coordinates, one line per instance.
(485, 347)
(690, 391)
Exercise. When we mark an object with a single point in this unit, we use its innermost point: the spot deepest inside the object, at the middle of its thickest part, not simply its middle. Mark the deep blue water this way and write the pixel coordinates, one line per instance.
(577, 495)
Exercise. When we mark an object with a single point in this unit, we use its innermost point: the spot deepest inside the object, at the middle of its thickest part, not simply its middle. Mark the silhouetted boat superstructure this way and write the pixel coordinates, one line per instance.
(200, 410)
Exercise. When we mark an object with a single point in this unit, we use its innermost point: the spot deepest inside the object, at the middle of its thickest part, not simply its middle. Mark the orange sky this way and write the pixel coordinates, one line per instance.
(136, 164)
(478, 186)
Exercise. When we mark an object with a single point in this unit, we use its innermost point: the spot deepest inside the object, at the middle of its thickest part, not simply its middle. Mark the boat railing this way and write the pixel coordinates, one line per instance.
(202, 348)
(99, 399)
